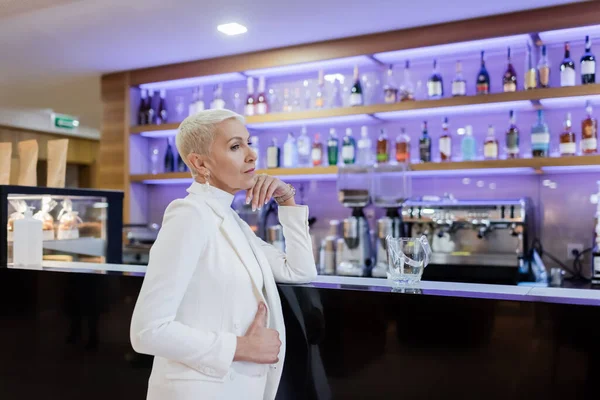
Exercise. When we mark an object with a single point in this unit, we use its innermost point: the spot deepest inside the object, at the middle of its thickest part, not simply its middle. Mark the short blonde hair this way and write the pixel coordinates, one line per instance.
(197, 132)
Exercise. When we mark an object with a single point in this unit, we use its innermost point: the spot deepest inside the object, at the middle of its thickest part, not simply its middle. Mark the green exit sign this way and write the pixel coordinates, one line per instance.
(65, 121)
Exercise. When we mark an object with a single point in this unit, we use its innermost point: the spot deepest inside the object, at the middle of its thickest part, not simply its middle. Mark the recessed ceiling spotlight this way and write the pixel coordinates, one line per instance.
(232, 28)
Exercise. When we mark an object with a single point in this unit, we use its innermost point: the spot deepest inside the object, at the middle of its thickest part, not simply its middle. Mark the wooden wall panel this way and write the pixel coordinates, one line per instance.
(537, 20)
(81, 155)
(81, 151)
(112, 171)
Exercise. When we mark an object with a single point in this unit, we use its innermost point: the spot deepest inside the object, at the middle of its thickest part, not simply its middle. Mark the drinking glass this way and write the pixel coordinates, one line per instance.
(407, 258)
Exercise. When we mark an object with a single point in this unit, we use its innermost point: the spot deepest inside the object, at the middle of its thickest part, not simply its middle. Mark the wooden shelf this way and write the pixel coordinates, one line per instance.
(160, 177)
(534, 163)
(533, 95)
(316, 171)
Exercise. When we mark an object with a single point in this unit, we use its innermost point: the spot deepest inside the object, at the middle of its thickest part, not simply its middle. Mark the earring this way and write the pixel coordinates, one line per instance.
(206, 184)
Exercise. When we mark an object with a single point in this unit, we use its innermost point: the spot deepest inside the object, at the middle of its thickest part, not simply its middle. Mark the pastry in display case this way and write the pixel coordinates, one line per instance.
(68, 222)
(43, 214)
(78, 224)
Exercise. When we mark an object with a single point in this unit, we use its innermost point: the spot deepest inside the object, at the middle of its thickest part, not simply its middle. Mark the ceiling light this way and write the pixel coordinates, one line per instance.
(232, 28)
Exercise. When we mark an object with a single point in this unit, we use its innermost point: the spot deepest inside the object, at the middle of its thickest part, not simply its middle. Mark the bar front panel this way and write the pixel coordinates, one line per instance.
(66, 335)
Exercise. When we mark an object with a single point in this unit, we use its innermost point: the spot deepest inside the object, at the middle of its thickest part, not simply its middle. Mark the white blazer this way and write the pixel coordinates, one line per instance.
(192, 308)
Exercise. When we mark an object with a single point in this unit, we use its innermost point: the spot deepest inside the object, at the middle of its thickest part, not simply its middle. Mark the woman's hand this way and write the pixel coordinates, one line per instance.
(265, 187)
(260, 345)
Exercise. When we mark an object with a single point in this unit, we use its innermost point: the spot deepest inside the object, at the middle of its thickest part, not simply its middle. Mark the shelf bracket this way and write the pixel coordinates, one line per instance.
(375, 60)
(537, 105)
(536, 39)
(374, 117)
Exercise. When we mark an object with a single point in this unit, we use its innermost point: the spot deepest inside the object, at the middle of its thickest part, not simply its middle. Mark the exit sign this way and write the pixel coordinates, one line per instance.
(65, 121)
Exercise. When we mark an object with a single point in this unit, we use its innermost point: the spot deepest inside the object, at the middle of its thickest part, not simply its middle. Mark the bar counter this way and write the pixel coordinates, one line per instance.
(65, 334)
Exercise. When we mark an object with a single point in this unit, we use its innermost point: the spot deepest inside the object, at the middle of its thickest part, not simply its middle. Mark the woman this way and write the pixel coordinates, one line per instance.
(209, 310)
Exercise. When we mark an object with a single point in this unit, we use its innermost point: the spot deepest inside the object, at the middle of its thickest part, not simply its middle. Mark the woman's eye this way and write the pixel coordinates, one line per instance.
(249, 143)
(235, 147)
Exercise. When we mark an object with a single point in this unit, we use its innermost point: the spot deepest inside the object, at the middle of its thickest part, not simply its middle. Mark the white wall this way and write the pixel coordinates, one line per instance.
(78, 96)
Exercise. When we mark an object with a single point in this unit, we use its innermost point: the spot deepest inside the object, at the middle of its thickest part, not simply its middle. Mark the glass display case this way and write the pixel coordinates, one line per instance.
(354, 185)
(391, 185)
(78, 224)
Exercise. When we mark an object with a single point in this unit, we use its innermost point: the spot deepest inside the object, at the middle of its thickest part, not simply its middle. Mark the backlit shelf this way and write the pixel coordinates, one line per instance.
(520, 165)
(544, 98)
(329, 172)
(538, 164)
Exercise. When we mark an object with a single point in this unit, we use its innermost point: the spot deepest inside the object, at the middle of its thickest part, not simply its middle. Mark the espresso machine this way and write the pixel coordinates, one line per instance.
(354, 253)
(488, 241)
(391, 186)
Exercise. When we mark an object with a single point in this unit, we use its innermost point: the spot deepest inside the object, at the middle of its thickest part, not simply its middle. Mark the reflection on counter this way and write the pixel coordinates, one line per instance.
(77, 224)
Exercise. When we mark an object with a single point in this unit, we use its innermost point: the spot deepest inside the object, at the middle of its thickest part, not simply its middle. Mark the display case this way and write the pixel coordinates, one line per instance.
(78, 224)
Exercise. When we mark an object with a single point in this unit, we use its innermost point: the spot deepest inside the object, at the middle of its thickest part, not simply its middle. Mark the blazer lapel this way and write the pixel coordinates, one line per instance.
(230, 229)
(268, 279)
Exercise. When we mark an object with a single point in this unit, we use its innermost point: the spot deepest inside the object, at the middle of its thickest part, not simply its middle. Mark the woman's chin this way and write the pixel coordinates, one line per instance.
(247, 184)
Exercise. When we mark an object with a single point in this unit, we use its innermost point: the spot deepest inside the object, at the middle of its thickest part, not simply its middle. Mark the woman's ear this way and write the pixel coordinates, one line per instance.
(196, 163)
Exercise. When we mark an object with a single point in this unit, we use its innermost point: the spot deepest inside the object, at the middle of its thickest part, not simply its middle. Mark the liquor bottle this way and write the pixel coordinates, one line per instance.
(320, 99)
(218, 102)
(509, 81)
(336, 95)
(425, 145)
(348, 148)
(568, 142)
(403, 147)
(254, 146)
(273, 155)
(530, 72)
(296, 101)
(589, 132)
(544, 69)
(250, 101)
(383, 151)
(333, 147)
(286, 103)
(567, 69)
(483, 78)
(169, 160)
(435, 87)
(199, 105)
(445, 142)
(181, 167)
(490, 147)
(162, 115)
(459, 85)
(142, 109)
(192, 106)
(304, 149)
(407, 89)
(540, 137)
(512, 137)
(390, 90)
(150, 113)
(317, 151)
(365, 148)
(356, 93)
(467, 145)
(262, 107)
(588, 64)
(290, 152)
